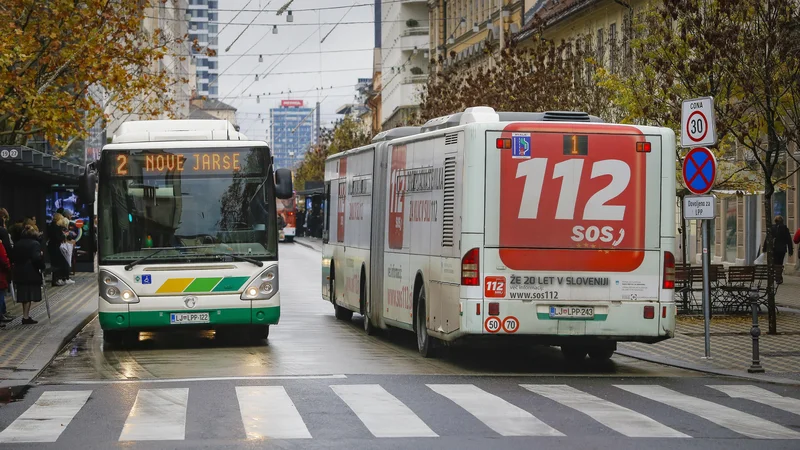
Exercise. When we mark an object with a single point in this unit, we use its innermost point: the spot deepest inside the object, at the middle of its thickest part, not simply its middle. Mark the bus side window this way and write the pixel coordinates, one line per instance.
(325, 204)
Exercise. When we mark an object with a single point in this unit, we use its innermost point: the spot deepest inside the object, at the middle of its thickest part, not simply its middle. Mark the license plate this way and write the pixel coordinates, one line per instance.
(182, 318)
(572, 312)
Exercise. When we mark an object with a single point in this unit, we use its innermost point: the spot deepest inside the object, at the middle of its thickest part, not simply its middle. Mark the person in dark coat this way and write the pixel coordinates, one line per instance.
(27, 272)
(5, 237)
(5, 279)
(781, 244)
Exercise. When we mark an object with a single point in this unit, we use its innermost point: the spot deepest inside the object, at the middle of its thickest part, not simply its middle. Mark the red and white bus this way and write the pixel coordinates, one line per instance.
(554, 227)
(287, 209)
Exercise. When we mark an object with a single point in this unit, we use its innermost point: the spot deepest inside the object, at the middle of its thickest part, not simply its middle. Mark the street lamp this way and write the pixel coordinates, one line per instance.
(274, 29)
(290, 17)
(260, 58)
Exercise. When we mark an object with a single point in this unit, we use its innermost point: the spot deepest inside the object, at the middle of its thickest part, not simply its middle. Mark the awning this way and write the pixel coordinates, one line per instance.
(21, 158)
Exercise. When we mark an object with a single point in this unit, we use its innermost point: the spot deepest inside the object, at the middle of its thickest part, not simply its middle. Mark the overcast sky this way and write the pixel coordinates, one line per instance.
(323, 63)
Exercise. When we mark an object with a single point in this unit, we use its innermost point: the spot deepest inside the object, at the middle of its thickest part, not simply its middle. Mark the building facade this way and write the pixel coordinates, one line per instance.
(203, 26)
(291, 132)
(466, 30)
(404, 60)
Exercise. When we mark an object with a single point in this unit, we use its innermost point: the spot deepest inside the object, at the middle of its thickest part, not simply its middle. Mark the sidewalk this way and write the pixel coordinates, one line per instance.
(731, 344)
(26, 349)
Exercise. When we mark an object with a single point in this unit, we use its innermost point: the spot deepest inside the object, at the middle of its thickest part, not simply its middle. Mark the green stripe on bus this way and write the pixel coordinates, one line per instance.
(229, 284)
(155, 319)
(546, 316)
(202, 284)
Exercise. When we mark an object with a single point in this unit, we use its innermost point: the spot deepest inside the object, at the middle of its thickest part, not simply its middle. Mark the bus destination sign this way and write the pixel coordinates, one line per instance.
(194, 162)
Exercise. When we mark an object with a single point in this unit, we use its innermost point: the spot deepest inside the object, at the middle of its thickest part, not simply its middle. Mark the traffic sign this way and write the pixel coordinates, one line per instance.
(699, 207)
(699, 170)
(698, 124)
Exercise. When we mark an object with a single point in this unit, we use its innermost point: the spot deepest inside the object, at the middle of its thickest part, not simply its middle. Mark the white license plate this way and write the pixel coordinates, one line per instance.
(572, 312)
(181, 318)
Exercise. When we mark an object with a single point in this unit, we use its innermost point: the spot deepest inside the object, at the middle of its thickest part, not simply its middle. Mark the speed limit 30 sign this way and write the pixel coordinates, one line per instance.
(698, 126)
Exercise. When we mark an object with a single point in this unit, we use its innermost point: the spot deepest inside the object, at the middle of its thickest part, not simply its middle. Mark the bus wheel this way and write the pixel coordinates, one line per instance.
(602, 352)
(289, 238)
(425, 343)
(368, 327)
(259, 332)
(113, 337)
(574, 353)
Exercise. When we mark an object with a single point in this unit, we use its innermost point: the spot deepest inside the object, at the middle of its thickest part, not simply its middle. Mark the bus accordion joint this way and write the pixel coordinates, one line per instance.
(470, 275)
(669, 270)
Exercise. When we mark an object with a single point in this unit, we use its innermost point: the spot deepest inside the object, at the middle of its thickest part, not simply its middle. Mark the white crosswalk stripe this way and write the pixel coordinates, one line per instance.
(616, 417)
(271, 412)
(268, 412)
(760, 395)
(498, 414)
(381, 412)
(157, 415)
(47, 418)
(738, 421)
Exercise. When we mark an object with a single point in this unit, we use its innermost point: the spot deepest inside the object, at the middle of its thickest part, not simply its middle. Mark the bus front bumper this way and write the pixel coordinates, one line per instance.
(142, 320)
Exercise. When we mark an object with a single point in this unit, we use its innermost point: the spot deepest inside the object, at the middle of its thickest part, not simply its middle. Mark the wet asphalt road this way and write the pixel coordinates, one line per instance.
(322, 383)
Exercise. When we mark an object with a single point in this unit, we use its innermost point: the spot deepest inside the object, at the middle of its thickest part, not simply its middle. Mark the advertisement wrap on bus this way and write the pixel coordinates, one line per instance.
(551, 227)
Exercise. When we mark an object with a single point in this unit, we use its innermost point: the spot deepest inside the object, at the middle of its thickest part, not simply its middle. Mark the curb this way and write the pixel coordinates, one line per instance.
(20, 385)
(709, 370)
(305, 244)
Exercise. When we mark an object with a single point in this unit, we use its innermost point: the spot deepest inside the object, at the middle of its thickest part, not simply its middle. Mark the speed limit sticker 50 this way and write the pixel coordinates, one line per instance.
(581, 189)
(492, 324)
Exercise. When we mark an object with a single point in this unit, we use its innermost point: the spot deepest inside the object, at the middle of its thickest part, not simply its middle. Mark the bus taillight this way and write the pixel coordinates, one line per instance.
(470, 275)
(669, 270)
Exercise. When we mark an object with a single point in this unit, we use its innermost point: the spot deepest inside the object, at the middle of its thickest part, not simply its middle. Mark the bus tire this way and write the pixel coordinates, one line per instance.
(602, 352)
(289, 238)
(259, 332)
(113, 337)
(368, 327)
(425, 343)
(574, 353)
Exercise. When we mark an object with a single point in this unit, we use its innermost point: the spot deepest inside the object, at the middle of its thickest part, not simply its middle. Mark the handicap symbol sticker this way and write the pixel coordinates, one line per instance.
(520, 145)
(146, 279)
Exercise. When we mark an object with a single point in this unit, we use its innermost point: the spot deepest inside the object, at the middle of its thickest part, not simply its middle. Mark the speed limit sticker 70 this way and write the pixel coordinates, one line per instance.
(510, 324)
(583, 188)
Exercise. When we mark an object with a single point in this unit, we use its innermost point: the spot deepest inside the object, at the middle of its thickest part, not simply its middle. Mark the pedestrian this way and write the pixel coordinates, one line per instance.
(5, 237)
(5, 280)
(27, 271)
(301, 222)
(781, 244)
(55, 237)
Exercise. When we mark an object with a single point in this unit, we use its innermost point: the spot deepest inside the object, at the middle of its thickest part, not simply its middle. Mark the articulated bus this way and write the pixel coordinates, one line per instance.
(553, 228)
(187, 229)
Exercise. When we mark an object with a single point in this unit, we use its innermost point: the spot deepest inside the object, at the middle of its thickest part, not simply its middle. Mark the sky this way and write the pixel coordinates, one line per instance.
(299, 62)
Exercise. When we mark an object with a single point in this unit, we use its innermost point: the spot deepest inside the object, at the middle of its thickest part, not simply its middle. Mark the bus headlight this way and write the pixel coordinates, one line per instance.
(262, 287)
(113, 290)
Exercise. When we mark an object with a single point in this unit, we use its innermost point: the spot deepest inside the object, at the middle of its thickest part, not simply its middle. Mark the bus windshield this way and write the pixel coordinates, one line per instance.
(184, 205)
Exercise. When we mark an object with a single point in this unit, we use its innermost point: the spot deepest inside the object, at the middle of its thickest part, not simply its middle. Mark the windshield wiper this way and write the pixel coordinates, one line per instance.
(236, 257)
(157, 251)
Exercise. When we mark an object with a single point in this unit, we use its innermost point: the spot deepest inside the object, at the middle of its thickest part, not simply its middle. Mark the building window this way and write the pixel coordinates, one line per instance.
(730, 230)
(612, 41)
(601, 46)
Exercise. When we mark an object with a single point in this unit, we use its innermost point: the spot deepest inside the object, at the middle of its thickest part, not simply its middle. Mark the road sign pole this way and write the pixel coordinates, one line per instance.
(706, 287)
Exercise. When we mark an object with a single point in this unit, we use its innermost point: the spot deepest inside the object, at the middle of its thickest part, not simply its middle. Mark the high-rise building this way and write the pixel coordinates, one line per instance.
(404, 66)
(291, 133)
(203, 22)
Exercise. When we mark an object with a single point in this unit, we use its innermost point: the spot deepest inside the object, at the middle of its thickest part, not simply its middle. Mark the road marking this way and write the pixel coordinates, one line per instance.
(498, 414)
(760, 395)
(157, 415)
(740, 422)
(184, 380)
(47, 418)
(268, 412)
(381, 412)
(616, 417)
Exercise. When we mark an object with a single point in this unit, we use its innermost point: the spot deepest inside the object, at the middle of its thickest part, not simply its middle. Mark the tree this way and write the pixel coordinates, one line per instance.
(349, 133)
(745, 53)
(540, 76)
(51, 52)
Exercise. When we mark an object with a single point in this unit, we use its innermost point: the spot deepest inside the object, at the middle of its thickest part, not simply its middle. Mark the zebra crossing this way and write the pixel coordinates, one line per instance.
(275, 412)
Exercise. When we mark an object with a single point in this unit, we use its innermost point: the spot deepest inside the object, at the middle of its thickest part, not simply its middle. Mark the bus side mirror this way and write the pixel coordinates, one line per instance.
(87, 185)
(283, 184)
